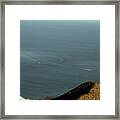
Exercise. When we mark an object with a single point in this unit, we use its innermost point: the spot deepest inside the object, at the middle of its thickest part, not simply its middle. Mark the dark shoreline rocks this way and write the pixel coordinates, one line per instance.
(93, 94)
(76, 92)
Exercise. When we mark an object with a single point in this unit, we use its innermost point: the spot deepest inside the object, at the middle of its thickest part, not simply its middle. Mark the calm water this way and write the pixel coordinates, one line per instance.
(57, 55)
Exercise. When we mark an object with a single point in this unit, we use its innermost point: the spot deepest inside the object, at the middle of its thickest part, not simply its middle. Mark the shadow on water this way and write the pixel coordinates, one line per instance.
(75, 93)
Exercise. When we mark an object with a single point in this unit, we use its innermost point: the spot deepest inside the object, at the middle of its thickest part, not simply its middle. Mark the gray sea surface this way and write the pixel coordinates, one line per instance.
(57, 55)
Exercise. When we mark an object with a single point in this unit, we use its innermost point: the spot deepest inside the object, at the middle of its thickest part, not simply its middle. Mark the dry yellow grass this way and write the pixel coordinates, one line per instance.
(94, 93)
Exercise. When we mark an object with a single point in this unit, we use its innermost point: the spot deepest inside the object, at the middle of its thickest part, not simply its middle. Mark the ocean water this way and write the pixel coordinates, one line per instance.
(57, 55)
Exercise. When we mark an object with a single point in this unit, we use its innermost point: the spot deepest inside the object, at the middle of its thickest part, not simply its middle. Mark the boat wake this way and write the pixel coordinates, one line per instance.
(87, 69)
(42, 58)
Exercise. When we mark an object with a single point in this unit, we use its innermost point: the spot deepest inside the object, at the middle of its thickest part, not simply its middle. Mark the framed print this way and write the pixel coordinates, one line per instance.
(60, 59)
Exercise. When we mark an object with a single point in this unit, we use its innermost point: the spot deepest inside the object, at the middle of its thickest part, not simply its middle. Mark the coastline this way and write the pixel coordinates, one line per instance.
(87, 90)
(93, 94)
